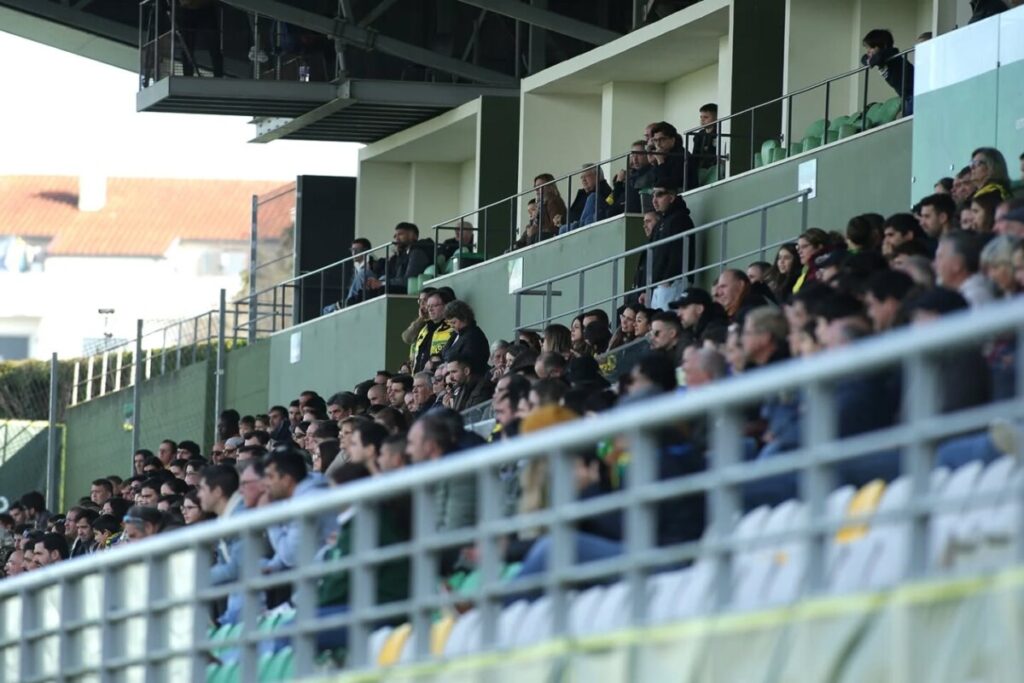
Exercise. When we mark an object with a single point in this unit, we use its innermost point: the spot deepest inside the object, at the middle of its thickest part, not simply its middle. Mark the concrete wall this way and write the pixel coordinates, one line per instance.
(558, 133)
(178, 405)
(25, 470)
(246, 378)
(339, 350)
(686, 95)
(844, 189)
(383, 199)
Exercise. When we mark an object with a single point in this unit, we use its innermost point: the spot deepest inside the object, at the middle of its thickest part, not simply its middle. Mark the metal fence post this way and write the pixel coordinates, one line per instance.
(218, 395)
(253, 237)
(136, 392)
(52, 464)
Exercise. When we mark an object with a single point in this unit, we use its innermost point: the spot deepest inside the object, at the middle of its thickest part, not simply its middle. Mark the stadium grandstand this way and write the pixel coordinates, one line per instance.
(655, 340)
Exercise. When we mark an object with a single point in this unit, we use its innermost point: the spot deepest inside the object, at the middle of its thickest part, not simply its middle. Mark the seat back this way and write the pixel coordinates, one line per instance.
(864, 502)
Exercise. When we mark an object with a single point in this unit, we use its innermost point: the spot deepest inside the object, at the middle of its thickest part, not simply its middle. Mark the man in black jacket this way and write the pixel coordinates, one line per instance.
(410, 258)
(667, 259)
(469, 342)
(673, 166)
(983, 9)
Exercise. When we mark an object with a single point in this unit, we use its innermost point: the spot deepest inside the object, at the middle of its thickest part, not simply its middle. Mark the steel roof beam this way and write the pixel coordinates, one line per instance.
(366, 39)
(546, 19)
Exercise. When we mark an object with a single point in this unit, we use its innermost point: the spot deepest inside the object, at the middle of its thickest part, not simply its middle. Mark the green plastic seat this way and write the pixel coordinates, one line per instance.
(413, 285)
(429, 272)
(211, 671)
(810, 142)
(817, 129)
(464, 258)
(264, 666)
(796, 148)
(890, 110)
(225, 673)
(837, 123)
(758, 160)
(471, 584)
(708, 175)
(280, 667)
(768, 148)
(847, 131)
(511, 571)
(455, 580)
(778, 154)
(874, 115)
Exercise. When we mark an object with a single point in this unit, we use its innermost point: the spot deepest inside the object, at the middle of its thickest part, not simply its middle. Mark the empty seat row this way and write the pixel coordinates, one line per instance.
(823, 132)
(862, 554)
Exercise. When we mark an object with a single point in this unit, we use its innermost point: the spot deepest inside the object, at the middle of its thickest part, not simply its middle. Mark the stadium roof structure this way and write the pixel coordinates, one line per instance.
(399, 62)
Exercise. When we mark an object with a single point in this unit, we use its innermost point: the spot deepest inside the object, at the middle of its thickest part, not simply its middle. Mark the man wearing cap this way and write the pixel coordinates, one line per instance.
(696, 310)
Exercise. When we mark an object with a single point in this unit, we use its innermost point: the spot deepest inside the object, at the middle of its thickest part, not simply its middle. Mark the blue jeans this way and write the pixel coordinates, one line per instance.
(588, 549)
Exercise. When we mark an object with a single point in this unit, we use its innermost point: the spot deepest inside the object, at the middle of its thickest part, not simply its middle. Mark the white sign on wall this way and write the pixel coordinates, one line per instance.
(296, 347)
(807, 178)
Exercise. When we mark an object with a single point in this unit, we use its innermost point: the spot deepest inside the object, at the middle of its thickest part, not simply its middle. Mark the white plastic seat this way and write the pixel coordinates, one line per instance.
(583, 609)
(789, 565)
(941, 534)
(537, 624)
(749, 527)
(666, 589)
(509, 622)
(1001, 526)
(613, 612)
(376, 642)
(751, 589)
(465, 636)
(968, 533)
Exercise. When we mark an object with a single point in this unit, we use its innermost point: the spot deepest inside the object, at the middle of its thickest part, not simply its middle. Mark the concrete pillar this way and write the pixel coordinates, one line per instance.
(626, 108)
(384, 199)
(495, 173)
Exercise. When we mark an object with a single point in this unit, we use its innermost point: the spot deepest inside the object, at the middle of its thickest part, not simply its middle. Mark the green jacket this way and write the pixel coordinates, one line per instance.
(392, 577)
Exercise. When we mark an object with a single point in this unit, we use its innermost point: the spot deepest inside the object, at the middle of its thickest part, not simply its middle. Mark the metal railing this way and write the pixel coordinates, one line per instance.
(315, 293)
(146, 622)
(736, 126)
(220, 40)
(164, 349)
(683, 241)
(506, 211)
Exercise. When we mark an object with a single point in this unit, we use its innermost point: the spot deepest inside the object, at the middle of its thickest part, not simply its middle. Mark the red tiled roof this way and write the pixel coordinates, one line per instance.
(142, 216)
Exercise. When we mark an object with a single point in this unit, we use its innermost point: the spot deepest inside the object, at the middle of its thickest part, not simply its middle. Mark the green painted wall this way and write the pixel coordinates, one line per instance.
(246, 378)
(178, 405)
(340, 350)
(25, 470)
(865, 173)
(951, 122)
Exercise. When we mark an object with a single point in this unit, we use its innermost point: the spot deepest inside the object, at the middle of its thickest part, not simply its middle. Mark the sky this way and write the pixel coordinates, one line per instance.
(64, 115)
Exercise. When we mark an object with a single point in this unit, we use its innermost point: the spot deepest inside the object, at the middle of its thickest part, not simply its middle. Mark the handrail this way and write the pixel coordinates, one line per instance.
(674, 238)
(642, 553)
(794, 93)
(787, 133)
(454, 223)
(544, 287)
(867, 355)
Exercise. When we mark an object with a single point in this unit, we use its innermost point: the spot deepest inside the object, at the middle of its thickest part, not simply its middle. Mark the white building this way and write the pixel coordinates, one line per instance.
(72, 250)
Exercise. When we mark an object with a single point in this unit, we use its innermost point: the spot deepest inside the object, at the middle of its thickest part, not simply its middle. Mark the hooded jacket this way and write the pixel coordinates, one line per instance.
(983, 9)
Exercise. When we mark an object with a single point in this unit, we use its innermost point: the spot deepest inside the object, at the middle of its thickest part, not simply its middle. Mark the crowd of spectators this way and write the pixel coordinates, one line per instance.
(961, 247)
